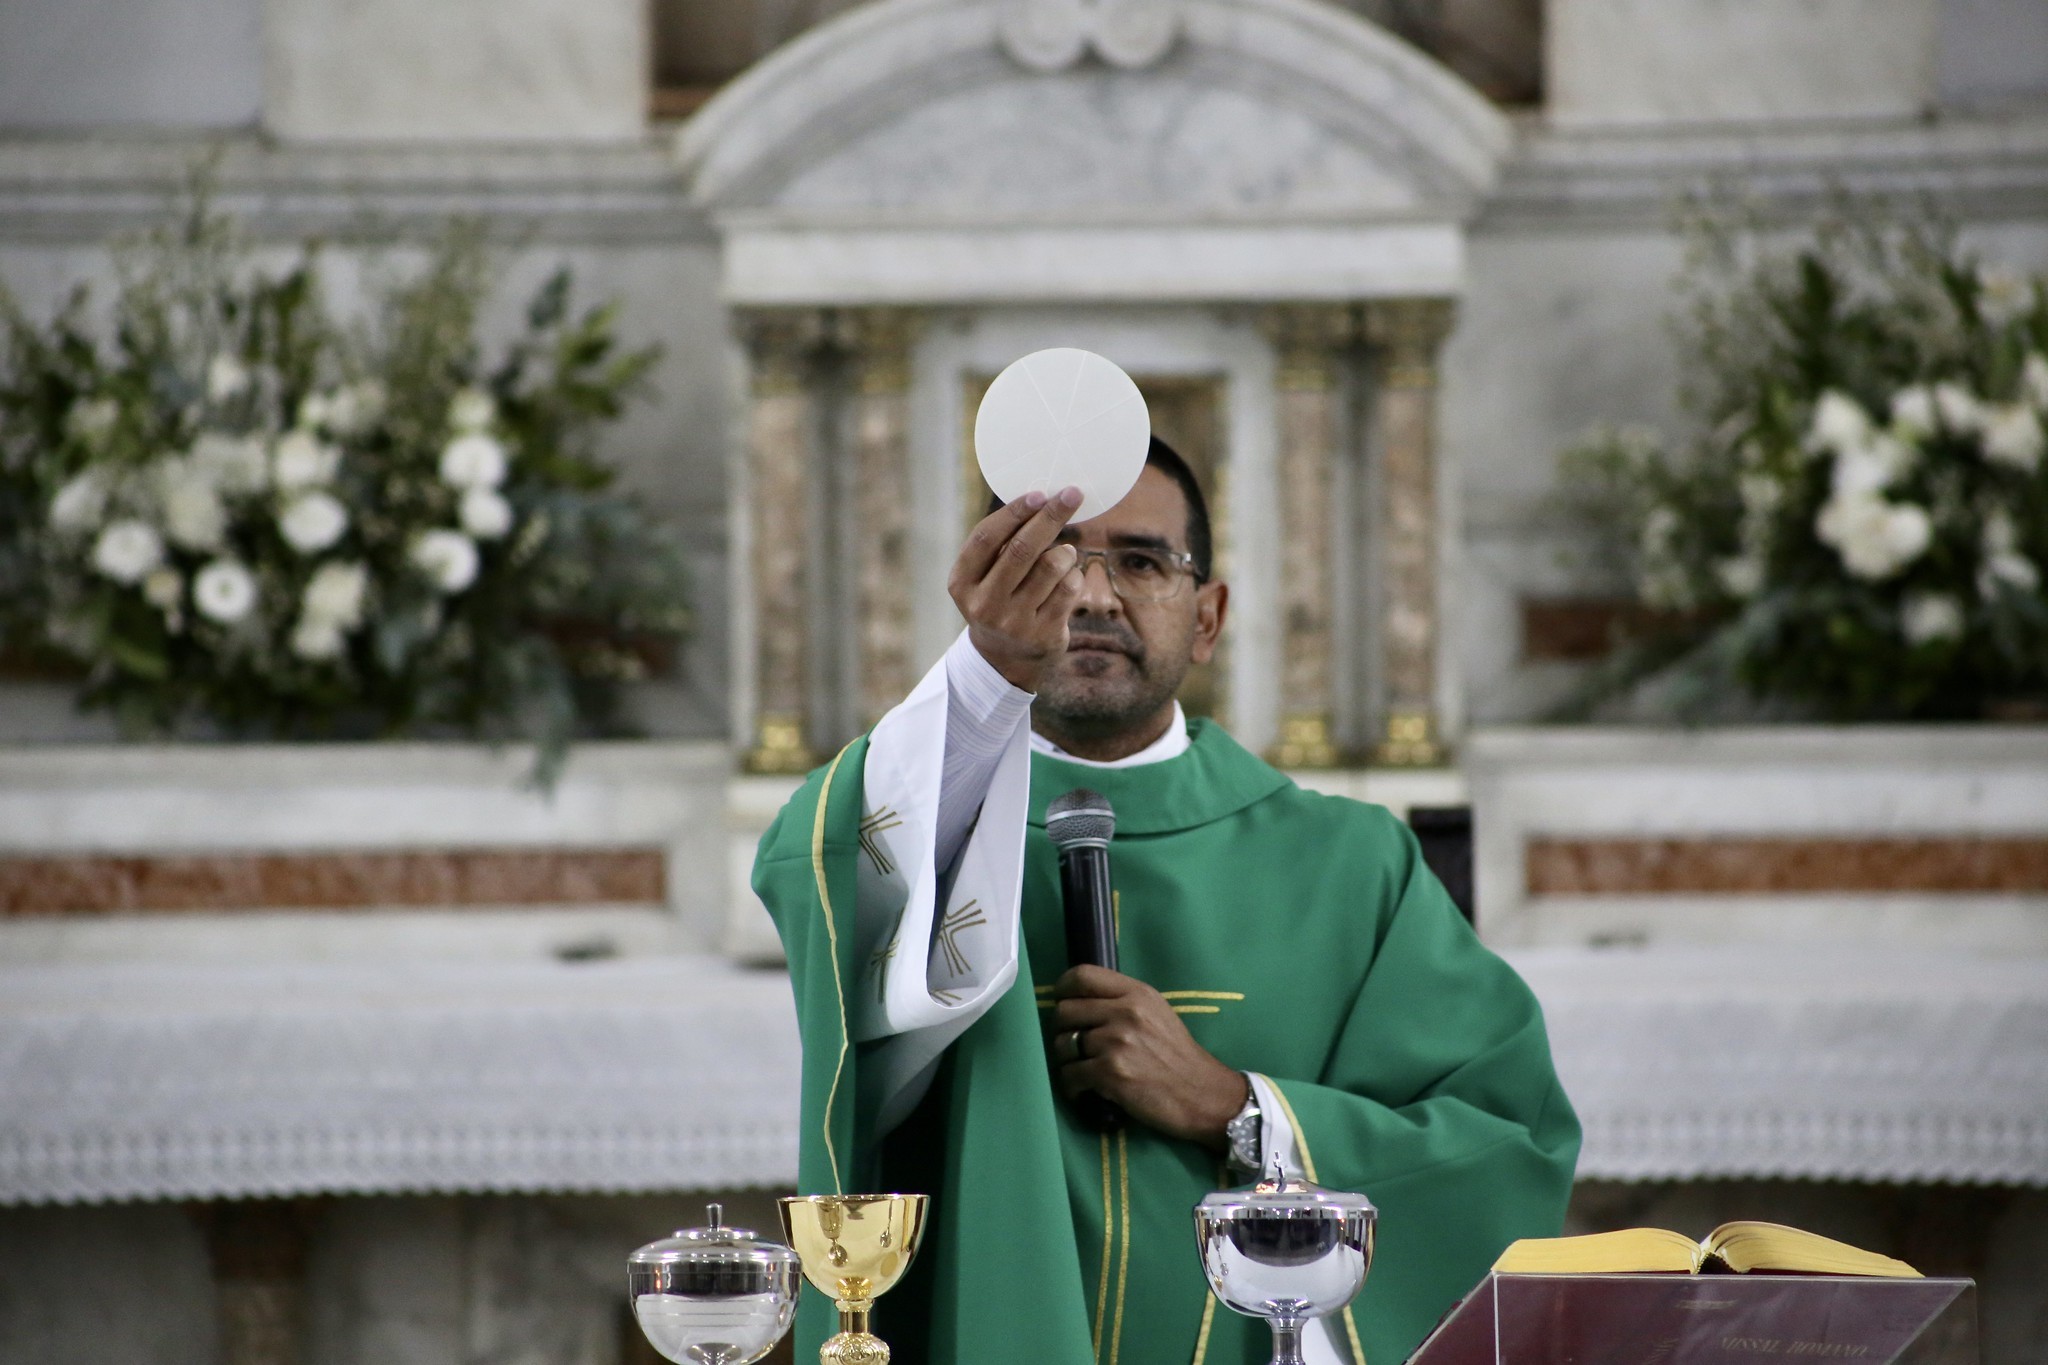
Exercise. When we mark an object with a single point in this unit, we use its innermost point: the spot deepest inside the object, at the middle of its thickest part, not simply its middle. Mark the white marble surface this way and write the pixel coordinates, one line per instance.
(162, 799)
(1775, 782)
(1623, 62)
(455, 70)
(98, 64)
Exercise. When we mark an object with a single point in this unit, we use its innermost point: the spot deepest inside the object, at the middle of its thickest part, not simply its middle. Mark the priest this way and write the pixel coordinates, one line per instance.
(1294, 982)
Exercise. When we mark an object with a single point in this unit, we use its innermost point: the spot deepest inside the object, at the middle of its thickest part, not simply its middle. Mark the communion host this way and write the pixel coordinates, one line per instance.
(1294, 983)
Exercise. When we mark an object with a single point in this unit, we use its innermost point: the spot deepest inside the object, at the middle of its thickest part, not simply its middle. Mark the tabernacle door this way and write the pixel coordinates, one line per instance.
(1707, 1320)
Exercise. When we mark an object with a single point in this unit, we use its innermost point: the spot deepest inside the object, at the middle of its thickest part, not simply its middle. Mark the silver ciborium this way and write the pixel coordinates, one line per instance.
(1286, 1251)
(713, 1295)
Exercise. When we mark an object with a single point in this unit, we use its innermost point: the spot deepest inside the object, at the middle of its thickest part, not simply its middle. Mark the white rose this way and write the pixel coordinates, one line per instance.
(485, 513)
(91, 420)
(334, 595)
(193, 515)
(301, 460)
(236, 464)
(355, 409)
(2034, 379)
(224, 591)
(127, 550)
(1839, 422)
(471, 410)
(448, 558)
(317, 640)
(1875, 538)
(2013, 436)
(1913, 411)
(1740, 576)
(1870, 465)
(80, 503)
(164, 589)
(1959, 409)
(1929, 616)
(2009, 569)
(227, 378)
(312, 521)
(473, 461)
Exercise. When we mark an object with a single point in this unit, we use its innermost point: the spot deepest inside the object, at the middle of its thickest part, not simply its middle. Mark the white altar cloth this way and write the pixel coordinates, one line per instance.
(1816, 1063)
(184, 1081)
(187, 1081)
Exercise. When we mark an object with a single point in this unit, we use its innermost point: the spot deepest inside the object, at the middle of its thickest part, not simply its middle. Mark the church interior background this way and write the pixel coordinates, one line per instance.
(368, 1051)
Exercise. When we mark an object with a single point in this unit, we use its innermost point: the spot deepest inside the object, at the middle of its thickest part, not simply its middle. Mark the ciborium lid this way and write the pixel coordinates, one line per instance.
(1277, 1193)
(713, 1248)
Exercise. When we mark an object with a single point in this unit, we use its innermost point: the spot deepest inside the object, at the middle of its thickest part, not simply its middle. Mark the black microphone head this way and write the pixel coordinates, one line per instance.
(1080, 819)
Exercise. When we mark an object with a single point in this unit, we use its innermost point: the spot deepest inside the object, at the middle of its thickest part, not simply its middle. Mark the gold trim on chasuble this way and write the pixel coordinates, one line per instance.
(832, 941)
(1308, 1168)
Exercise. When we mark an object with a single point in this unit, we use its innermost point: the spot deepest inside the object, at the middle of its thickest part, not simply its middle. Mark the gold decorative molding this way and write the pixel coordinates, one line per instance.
(781, 344)
(1307, 338)
(1408, 333)
(779, 747)
(880, 340)
(1304, 742)
(1410, 741)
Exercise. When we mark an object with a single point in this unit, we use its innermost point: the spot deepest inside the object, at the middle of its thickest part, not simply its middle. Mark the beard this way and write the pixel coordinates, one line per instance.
(1109, 681)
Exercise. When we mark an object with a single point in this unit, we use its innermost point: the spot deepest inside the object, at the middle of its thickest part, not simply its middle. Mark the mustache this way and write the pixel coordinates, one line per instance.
(1094, 632)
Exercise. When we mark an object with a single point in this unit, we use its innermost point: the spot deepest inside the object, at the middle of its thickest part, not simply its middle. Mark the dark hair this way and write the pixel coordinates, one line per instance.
(1167, 461)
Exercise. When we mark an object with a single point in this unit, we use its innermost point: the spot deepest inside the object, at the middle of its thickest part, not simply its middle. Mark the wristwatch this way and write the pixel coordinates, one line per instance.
(1246, 1132)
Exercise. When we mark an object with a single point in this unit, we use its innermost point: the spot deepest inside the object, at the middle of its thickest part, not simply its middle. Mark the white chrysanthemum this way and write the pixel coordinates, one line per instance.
(194, 516)
(449, 559)
(1741, 576)
(1875, 538)
(485, 514)
(334, 595)
(2013, 436)
(80, 503)
(2034, 379)
(2003, 295)
(1959, 409)
(302, 460)
(237, 464)
(317, 641)
(227, 378)
(224, 591)
(91, 420)
(473, 461)
(355, 408)
(1870, 465)
(164, 589)
(1839, 422)
(1913, 412)
(127, 550)
(312, 521)
(1926, 617)
(471, 410)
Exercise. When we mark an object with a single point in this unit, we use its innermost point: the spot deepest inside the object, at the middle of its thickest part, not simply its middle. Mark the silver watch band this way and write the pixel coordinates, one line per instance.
(1247, 1132)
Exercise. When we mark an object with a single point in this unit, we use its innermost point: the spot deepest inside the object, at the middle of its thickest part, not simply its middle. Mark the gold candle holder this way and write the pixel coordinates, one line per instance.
(854, 1247)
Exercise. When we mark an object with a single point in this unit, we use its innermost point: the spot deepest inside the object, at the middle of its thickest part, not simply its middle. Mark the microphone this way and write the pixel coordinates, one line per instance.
(1080, 825)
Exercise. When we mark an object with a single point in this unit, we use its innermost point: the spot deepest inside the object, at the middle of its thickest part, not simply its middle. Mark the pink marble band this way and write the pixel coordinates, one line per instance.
(1787, 866)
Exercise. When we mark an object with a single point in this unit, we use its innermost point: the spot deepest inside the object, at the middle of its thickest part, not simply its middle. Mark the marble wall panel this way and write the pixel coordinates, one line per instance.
(99, 64)
(1772, 866)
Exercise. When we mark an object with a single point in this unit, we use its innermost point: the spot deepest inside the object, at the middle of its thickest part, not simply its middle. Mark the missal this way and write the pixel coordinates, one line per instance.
(1732, 1248)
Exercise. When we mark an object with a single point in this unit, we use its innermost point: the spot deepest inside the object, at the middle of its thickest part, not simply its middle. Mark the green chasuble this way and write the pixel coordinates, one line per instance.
(1299, 936)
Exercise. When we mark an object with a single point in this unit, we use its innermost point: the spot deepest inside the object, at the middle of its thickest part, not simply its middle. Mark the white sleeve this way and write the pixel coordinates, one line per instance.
(937, 939)
(1320, 1343)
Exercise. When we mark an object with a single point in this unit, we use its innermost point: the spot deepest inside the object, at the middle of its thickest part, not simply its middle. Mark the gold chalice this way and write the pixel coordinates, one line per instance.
(854, 1247)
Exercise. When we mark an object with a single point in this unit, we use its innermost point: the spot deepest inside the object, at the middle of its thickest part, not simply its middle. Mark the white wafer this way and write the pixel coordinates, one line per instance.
(1063, 418)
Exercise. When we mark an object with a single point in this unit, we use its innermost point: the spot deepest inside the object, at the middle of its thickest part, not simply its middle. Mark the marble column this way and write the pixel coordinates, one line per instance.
(781, 431)
(1405, 335)
(880, 340)
(1309, 340)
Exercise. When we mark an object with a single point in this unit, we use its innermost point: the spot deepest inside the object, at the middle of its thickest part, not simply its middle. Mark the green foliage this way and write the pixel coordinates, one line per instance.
(1852, 526)
(241, 517)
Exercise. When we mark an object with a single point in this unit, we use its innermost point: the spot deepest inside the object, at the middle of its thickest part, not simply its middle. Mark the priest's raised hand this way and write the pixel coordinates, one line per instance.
(1016, 587)
(1118, 1037)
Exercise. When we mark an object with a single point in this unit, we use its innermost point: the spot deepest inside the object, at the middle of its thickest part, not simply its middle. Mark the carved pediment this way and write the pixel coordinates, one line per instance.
(1090, 111)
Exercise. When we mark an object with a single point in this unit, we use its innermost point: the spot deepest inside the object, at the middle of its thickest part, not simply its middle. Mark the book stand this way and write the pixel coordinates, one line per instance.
(1707, 1320)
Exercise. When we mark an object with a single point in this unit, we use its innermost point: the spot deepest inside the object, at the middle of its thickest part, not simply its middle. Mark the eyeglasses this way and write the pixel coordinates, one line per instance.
(1138, 575)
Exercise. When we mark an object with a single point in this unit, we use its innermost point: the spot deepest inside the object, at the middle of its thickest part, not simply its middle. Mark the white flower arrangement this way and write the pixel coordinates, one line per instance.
(297, 532)
(1857, 529)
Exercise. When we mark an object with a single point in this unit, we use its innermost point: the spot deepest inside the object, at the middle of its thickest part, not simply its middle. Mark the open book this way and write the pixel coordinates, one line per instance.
(1736, 1247)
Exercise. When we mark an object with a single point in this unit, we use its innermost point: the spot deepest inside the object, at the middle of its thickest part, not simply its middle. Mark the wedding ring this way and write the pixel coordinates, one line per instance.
(1074, 1042)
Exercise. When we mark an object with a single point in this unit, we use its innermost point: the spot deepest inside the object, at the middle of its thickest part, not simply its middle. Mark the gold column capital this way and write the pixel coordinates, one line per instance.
(1408, 333)
(780, 343)
(880, 340)
(1410, 741)
(779, 746)
(1307, 338)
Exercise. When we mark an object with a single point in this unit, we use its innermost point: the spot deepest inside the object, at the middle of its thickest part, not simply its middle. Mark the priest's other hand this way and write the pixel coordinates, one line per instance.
(1115, 1035)
(1016, 587)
